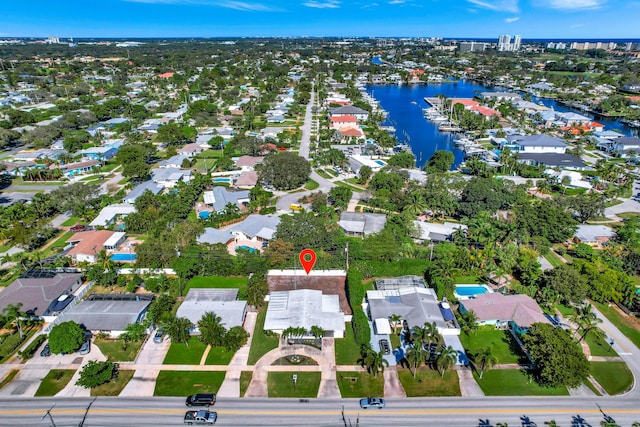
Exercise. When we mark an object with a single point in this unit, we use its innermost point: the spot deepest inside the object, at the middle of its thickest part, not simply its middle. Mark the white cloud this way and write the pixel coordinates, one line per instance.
(573, 4)
(397, 2)
(329, 4)
(240, 5)
(498, 5)
(511, 20)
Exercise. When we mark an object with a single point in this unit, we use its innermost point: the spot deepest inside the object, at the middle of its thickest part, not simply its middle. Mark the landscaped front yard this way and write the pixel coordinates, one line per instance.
(347, 351)
(261, 344)
(115, 386)
(429, 383)
(54, 382)
(360, 384)
(280, 384)
(501, 343)
(245, 380)
(114, 352)
(186, 383)
(614, 377)
(628, 326)
(239, 283)
(514, 382)
(188, 353)
(219, 356)
(599, 347)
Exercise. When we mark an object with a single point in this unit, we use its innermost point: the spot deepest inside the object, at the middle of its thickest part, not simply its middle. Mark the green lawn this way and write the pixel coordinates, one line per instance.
(210, 154)
(245, 380)
(61, 241)
(239, 283)
(189, 353)
(624, 324)
(219, 356)
(123, 181)
(54, 381)
(347, 351)
(502, 344)
(514, 382)
(114, 387)
(261, 344)
(599, 347)
(112, 349)
(429, 383)
(71, 221)
(323, 174)
(185, 383)
(553, 259)
(614, 377)
(467, 280)
(352, 187)
(203, 164)
(360, 384)
(311, 185)
(395, 340)
(280, 384)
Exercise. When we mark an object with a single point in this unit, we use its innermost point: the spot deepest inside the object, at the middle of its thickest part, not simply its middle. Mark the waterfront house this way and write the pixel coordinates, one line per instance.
(501, 96)
(350, 110)
(536, 144)
(625, 146)
(553, 160)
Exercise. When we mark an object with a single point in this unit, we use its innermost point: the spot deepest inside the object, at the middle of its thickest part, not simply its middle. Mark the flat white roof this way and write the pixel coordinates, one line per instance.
(114, 239)
(108, 213)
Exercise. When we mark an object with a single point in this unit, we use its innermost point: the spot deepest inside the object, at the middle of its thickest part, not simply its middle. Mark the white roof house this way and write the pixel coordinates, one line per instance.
(437, 232)
(305, 308)
(593, 235)
(109, 213)
(222, 302)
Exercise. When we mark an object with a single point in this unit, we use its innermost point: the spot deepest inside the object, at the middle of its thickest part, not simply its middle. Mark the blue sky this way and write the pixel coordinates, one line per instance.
(225, 18)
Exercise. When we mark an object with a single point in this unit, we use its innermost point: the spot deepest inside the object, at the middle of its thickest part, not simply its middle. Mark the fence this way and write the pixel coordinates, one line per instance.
(78, 298)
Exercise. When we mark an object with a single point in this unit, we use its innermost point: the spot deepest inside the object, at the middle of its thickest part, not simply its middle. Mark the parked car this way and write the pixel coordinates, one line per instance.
(202, 399)
(85, 348)
(372, 402)
(78, 228)
(46, 351)
(158, 336)
(384, 346)
(200, 417)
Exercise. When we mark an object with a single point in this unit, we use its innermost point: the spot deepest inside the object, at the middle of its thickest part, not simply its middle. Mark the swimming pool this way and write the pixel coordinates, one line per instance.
(380, 162)
(247, 248)
(467, 291)
(123, 257)
(222, 180)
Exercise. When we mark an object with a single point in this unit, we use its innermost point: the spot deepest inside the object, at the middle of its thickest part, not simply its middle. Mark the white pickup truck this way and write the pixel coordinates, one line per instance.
(200, 417)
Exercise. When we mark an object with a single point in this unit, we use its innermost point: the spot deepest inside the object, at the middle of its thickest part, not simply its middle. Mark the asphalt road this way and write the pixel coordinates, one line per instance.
(453, 412)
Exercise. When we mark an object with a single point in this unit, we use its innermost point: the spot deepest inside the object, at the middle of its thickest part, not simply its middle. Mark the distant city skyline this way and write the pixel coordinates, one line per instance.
(481, 19)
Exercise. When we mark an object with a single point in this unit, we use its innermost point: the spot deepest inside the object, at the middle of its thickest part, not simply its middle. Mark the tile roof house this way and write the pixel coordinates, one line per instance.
(362, 224)
(247, 180)
(248, 163)
(518, 311)
(88, 244)
(305, 308)
(37, 292)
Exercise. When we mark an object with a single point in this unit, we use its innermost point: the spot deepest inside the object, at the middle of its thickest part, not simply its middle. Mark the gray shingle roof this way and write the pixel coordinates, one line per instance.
(37, 294)
(107, 315)
(365, 223)
(540, 140)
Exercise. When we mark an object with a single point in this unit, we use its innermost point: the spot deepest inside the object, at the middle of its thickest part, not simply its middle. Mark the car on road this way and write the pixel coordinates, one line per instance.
(201, 399)
(46, 351)
(200, 417)
(158, 336)
(384, 346)
(372, 402)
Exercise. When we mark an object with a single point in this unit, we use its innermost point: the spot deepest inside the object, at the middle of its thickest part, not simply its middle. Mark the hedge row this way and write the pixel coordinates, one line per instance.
(10, 342)
(355, 288)
(360, 325)
(28, 352)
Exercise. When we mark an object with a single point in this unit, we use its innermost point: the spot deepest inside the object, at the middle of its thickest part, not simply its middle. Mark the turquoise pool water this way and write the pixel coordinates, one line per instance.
(221, 179)
(470, 290)
(380, 162)
(123, 257)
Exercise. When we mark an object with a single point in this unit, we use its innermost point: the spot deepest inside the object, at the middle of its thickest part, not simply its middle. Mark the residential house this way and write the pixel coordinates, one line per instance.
(255, 231)
(576, 180)
(305, 308)
(536, 144)
(169, 177)
(595, 236)
(362, 224)
(501, 96)
(109, 313)
(78, 168)
(437, 232)
(174, 162)
(109, 214)
(100, 154)
(357, 161)
(36, 290)
(553, 160)
(247, 180)
(137, 191)
(516, 311)
(190, 150)
(626, 146)
(346, 121)
(350, 110)
(223, 302)
(219, 197)
(248, 163)
(88, 244)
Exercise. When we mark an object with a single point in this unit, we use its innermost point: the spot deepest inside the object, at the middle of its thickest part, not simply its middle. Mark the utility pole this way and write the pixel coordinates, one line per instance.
(53, 424)
(346, 251)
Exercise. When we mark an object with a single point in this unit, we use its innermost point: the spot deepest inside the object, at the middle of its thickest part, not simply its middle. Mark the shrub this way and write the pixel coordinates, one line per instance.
(355, 289)
(96, 373)
(360, 324)
(28, 352)
(9, 344)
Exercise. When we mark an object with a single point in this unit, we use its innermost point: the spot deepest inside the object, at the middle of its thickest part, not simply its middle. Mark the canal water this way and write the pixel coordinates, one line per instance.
(404, 104)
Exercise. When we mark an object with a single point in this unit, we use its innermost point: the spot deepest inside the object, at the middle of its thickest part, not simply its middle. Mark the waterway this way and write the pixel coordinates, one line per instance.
(404, 104)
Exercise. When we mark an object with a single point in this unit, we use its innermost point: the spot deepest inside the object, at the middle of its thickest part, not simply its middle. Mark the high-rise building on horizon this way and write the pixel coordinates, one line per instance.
(505, 45)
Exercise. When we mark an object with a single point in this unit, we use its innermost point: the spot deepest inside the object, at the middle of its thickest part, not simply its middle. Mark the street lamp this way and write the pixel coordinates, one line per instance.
(53, 424)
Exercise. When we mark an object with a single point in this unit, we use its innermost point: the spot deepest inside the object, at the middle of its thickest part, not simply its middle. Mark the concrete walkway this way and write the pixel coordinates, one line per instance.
(392, 386)
(230, 387)
(147, 367)
(468, 384)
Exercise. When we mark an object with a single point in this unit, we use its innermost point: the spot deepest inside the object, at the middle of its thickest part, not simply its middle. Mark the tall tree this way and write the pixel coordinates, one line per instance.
(178, 329)
(485, 359)
(13, 314)
(212, 331)
(415, 357)
(446, 359)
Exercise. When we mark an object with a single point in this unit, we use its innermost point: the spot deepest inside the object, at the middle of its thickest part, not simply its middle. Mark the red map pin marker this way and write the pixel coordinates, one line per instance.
(307, 259)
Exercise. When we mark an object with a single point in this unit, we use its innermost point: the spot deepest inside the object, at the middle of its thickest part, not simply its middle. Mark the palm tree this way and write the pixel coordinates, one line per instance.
(485, 359)
(14, 315)
(424, 334)
(395, 321)
(317, 331)
(447, 358)
(415, 355)
(375, 362)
